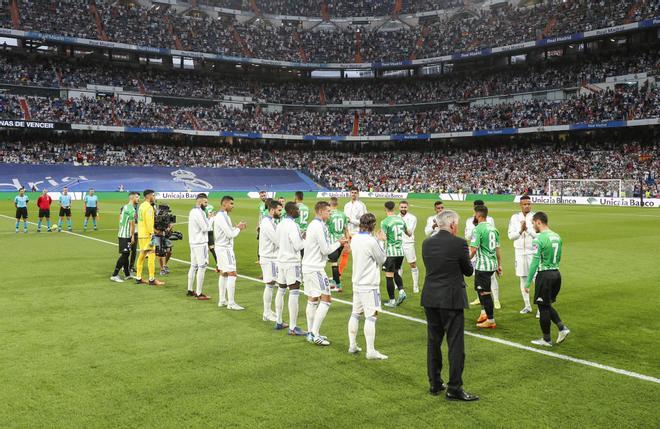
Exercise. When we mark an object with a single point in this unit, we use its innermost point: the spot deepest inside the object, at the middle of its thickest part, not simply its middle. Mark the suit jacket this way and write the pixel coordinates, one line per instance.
(447, 260)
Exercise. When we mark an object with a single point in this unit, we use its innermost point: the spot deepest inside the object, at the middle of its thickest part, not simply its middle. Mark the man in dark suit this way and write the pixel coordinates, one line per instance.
(447, 260)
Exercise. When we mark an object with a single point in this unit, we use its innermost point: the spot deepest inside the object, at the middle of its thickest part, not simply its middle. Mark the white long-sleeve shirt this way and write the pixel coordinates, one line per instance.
(267, 240)
(368, 258)
(470, 226)
(290, 242)
(198, 228)
(354, 211)
(429, 229)
(317, 247)
(411, 223)
(224, 231)
(522, 242)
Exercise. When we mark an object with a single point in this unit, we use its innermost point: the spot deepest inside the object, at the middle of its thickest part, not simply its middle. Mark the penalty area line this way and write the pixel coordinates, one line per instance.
(423, 322)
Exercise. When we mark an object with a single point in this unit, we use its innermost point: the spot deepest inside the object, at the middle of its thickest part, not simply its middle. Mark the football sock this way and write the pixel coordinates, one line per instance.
(525, 295)
(293, 307)
(68, 223)
(151, 266)
(59, 224)
(489, 305)
(39, 225)
(17, 224)
(118, 265)
(201, 272)
(398, 280)
(370, 333)
(335, 274)
(544, 321)
(268, 298)
(231, 289)
(310, 312)
(222, 289)
(390, 287)
(554, 316)
(94, 222)
(25, 225)
(279, 303)
(321, 312)
(127, 271)
(191, 277)
(353, 324)
(48, 223)
(415, 277)
(140, 265)
(85, 223)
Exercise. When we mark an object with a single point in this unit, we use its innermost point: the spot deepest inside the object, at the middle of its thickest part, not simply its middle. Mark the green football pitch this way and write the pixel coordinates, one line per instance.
(81, 351)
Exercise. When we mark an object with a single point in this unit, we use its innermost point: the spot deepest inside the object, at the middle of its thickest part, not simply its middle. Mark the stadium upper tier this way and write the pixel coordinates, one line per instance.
(205, 31)
(624, 104)
(336, 8)
(464, 85)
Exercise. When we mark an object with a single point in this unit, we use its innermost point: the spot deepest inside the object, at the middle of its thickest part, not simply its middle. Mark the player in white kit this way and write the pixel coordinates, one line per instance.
(225, 233)
(199, 227)
(409, 243)
(470, 225)
(289, 271)
(317, 285)
(521, 231)
(268, 256)
(368, 258)
(431, 227)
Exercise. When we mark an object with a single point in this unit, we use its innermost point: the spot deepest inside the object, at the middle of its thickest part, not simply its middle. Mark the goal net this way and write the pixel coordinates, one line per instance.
(614, 188)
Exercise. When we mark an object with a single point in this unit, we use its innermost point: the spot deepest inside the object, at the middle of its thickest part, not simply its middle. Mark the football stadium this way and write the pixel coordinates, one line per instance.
(329, 213)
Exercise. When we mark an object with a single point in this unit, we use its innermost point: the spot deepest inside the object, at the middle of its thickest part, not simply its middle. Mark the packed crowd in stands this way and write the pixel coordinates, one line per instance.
(453, 86)
(513, 168)
(626, 103)
(162, 27)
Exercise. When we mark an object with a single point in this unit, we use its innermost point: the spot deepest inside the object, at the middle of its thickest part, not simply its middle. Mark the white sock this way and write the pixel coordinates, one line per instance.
(310, 311)
(191, 277)
(370, 333)
(222, 289)
(293, 308)
(279, 303)
(201, 271)
(415, 276)
(321, 312)
(231, 289)
(268, 298)
(525, 295)
(353, 325)
(495, 288)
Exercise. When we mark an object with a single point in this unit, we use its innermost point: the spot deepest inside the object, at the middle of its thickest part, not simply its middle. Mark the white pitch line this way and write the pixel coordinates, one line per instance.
(423, 322)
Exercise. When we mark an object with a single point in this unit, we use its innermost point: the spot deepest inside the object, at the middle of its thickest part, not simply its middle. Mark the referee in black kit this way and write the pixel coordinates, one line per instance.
(444, 299)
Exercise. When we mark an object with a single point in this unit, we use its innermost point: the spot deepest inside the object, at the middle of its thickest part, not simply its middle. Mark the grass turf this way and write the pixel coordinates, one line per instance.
(81, 351)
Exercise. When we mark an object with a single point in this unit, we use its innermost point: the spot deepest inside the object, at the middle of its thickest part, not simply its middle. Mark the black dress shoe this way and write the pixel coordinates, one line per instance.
(435, 391)
(460, 395)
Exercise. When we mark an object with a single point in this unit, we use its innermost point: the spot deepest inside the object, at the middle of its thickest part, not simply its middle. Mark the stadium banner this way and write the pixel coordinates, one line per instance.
(490, 197)
(594, 201)
(453, 197)
(37, 125)
(567, 38)
(161, 179)
(347, 194)
(255, 195)
(176, 195)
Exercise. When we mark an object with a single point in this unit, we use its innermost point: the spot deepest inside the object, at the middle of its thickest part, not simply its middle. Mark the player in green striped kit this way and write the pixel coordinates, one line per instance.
(547, 247)
(303, 219)
(338, 228)
(126, 235)
(394, 227)
(485, 244)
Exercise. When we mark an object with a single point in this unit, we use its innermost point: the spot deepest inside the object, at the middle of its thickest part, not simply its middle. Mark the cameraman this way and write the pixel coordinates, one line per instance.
(167, 249)
(146, 217)
(199, 226)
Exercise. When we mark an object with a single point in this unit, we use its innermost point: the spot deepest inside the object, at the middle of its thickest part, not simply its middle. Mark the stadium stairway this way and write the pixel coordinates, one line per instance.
(630, 15)
(322, 99)
(100, 31)
(170, 30)
(396, 10)
(193, 121)
(25, 108)
(301, 49)
(547, 30)
(419, 44)
(324, 11)
(238, 39)
(15, 15)
(358, 46)
(255, 8)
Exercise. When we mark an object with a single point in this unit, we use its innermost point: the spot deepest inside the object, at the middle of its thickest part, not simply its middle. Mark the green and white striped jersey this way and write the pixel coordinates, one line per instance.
(486, 239)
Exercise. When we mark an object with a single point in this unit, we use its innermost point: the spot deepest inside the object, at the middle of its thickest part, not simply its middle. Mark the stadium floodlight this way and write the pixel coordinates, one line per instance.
(614, 188)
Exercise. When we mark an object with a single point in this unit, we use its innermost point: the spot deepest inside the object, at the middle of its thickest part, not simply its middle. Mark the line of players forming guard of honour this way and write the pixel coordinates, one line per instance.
(294, 250)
